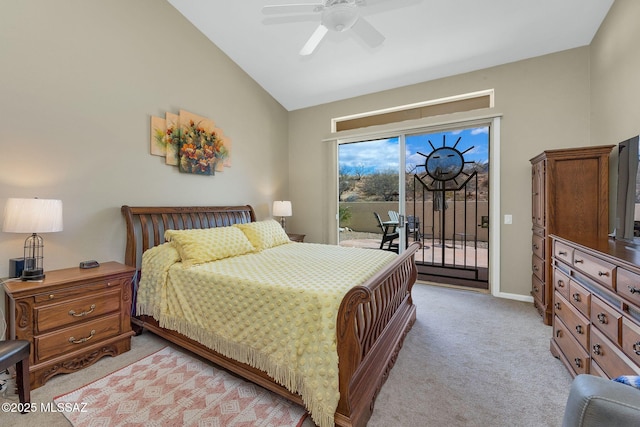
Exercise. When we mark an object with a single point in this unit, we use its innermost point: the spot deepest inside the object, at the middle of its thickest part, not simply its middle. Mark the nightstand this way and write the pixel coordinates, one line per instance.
(73, 317)
(296, 237)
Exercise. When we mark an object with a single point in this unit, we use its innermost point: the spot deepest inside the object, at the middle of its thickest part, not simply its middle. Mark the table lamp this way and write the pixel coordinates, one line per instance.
(282, 209)
(33, 216)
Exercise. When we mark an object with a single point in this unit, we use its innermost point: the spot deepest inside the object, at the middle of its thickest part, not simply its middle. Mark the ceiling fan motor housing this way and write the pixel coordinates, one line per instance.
(340, 17)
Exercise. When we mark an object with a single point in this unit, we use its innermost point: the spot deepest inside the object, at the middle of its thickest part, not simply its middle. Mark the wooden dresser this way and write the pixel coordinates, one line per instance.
(596, 308)
(72, 318)
(570, 197)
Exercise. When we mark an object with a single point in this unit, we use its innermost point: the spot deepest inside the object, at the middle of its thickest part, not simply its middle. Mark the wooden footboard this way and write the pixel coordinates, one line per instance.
(372, 322)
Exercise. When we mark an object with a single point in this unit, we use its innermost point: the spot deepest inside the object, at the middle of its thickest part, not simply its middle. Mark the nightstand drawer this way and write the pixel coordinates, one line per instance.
(82, 290)
(77, 310)
(76, 337)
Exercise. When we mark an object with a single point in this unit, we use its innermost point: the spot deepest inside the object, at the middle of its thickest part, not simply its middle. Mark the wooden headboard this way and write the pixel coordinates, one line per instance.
(146, 225)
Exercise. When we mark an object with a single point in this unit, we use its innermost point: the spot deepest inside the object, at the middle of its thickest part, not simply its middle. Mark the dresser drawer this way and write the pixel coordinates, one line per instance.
(537, 289)
(575, 322)
(563, 252)
(76, 310)
(610, 358)
(537, 245)
(561, 283)
(606, 319)
(579, 297)
(597, 268)
(538, 267)
(576, 356)
(76, 337)
(631, 339)
(628, 285)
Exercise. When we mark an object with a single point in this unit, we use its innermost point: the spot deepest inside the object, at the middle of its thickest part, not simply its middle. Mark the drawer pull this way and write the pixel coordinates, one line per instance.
(81, 340)
(535, 268)
(633, 290)
(576, 297)
(577, 362)
(602, 318)
(535, 289)
(563, 253)
(603, 273)
(84, 313)
(557, 306)
(596, 349)
(579, 329)
(561, 283)
(578, 261)
(558, 333)
(636, 348)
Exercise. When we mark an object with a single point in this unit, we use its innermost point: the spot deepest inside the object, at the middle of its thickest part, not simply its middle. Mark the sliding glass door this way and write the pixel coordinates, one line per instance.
(370, 189)
(431, 187)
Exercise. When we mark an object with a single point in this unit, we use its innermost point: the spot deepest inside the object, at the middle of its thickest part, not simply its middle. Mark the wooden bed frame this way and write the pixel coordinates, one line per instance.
(373, 318)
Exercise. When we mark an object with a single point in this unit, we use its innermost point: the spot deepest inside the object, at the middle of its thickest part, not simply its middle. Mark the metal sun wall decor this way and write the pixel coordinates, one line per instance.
(191, 142)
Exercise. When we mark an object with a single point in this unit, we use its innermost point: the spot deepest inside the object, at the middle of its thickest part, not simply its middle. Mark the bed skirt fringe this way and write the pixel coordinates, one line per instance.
(286, 377)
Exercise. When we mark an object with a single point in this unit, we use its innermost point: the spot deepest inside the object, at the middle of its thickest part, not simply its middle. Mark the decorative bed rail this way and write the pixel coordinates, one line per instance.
(372, 321)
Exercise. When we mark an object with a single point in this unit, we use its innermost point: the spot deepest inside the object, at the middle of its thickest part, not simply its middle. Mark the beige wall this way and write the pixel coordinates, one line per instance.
(544, 102)
(79, 82)
(615, 75)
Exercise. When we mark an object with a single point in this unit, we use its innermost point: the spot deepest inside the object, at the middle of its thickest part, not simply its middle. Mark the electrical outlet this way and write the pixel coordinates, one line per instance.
(508, 219)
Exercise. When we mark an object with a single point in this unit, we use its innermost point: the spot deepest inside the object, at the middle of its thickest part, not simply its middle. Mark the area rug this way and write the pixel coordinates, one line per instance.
(170, 388)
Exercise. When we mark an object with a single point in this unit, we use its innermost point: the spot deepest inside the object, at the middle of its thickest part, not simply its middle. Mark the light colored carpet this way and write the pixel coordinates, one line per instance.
(470, 360)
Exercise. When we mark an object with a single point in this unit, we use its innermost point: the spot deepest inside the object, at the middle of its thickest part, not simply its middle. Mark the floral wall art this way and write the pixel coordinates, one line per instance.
(191, 142)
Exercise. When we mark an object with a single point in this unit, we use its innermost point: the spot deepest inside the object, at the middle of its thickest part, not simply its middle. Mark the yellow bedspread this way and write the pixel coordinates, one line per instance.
(275, 310)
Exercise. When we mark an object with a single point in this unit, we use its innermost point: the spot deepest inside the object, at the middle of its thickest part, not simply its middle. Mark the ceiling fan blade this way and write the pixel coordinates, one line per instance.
(292, 8)
(314, 40)
(367, 32)
(288, 19)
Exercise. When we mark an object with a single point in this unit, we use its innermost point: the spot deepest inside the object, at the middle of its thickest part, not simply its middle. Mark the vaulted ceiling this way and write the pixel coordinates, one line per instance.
(423, 40)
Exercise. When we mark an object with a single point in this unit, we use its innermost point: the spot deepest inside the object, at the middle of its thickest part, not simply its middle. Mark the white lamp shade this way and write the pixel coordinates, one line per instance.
(32, 216)
(282, 208)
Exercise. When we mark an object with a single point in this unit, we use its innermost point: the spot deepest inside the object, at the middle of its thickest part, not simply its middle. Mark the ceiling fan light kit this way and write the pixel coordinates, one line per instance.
(340, 17)
(336, 15)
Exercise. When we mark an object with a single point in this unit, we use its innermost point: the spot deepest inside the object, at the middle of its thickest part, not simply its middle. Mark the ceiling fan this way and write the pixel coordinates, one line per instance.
(335, 15)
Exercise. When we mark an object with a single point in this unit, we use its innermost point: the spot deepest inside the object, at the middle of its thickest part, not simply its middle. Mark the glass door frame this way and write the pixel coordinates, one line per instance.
(429, 126)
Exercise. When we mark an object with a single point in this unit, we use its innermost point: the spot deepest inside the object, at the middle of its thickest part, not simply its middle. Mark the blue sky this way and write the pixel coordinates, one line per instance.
(382, 155)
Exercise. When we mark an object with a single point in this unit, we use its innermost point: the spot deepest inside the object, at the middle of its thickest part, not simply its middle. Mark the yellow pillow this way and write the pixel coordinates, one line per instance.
(264, 234)
(203, 245)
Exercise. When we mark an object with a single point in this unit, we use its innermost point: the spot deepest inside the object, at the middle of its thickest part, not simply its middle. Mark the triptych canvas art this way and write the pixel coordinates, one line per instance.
(191, 142)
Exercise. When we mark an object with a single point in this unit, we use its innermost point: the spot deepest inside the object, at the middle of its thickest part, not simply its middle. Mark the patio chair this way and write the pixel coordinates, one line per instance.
(389, 233)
